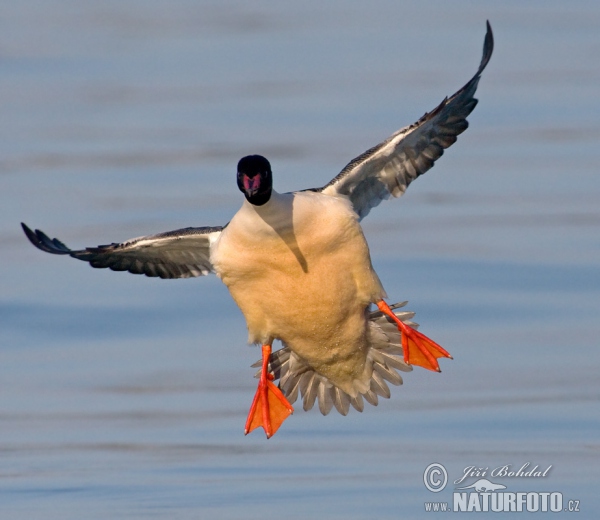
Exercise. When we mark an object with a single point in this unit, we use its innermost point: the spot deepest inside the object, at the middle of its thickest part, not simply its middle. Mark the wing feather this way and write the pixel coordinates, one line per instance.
(388, 168)
(183, 253)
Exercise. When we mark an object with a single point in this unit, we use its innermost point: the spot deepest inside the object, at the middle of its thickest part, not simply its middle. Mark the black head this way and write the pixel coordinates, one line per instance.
(254, 179)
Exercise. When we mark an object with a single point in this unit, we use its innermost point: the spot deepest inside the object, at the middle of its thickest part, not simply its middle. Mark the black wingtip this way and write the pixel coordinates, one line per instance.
(40, 240)
(30, 234)
(488, 47)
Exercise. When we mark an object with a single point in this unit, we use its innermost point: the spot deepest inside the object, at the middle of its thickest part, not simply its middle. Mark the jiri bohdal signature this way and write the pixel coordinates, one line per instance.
(504, 471)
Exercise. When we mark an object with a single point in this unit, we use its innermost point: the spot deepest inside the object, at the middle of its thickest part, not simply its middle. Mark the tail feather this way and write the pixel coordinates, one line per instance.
(341, 400)
(324, 394)
(313, 382)
(388, 374)
(371, 397)
(296, 378)
(357, 402)
(379, 386)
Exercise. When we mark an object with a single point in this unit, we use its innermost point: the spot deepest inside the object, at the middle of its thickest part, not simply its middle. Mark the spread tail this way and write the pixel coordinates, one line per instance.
(385, 355)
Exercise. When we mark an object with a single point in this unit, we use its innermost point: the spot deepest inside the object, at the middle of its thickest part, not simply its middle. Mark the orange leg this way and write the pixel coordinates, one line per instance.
(270, 407)
(418, 348)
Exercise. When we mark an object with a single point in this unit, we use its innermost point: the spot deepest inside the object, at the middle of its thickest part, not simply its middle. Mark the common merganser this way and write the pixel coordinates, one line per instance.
(298, 266)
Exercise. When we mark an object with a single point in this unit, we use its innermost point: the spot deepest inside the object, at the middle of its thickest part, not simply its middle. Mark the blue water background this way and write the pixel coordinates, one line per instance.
(125, 397)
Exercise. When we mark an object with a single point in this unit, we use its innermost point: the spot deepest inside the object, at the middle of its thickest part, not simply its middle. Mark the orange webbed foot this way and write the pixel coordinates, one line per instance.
(418, 348)
(270, 407)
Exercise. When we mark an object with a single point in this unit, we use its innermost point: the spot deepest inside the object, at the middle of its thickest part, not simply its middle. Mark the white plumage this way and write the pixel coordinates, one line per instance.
(300, 271)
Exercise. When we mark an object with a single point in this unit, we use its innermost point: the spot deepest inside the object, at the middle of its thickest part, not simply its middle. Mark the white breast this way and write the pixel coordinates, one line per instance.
(300, 271)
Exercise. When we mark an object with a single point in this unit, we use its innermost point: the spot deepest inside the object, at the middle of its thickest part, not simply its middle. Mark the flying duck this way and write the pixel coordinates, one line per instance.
(298, 266)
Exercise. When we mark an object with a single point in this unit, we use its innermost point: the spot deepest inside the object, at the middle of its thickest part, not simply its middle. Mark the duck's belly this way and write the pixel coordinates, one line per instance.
(307, 285)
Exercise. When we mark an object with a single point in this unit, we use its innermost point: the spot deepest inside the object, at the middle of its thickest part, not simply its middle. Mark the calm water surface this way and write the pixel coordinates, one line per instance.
(125, 397)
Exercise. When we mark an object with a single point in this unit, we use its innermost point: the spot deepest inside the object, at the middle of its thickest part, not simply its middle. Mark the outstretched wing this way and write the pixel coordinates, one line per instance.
(182, 253)
(388, 168)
